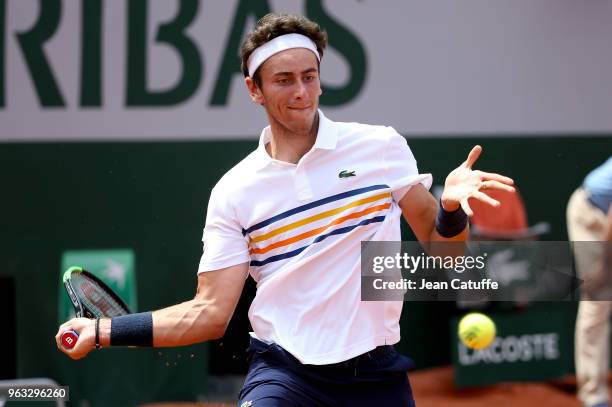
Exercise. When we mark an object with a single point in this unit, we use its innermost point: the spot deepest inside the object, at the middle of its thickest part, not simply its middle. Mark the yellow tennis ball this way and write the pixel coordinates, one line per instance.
(476, 330)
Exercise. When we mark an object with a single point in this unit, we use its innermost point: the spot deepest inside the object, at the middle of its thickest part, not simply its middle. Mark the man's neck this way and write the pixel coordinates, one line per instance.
(289, 146)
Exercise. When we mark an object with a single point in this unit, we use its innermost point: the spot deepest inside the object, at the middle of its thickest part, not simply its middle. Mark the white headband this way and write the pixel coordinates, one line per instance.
(276, 45)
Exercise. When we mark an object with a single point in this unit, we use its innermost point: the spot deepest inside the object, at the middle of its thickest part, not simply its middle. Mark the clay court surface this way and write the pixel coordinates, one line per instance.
(435, 388)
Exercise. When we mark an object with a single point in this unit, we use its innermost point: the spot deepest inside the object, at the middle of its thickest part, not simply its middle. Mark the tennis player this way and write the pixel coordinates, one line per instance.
(293, 214)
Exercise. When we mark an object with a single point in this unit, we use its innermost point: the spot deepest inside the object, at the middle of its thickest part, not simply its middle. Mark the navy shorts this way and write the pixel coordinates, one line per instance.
(276, 378)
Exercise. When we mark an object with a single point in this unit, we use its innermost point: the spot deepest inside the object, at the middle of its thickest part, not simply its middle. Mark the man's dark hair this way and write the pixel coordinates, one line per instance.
(273, 25)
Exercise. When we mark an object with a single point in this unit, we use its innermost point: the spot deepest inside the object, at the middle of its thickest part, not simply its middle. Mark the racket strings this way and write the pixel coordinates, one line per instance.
(95, 298)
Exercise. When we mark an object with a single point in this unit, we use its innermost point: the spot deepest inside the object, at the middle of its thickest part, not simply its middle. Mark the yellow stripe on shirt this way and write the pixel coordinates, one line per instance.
(319, 216)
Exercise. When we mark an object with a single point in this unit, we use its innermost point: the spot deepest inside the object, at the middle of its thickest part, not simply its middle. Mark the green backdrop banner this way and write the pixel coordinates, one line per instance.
(534, 343)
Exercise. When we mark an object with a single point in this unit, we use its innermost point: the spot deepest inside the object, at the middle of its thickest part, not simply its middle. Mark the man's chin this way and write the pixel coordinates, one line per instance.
(302, 112)
(299, 127)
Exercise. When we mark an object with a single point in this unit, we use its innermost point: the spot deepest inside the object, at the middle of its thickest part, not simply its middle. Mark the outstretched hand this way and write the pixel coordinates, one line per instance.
(463, 183)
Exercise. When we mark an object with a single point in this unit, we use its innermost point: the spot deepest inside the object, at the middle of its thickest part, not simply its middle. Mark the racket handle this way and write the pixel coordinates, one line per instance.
(69, 339)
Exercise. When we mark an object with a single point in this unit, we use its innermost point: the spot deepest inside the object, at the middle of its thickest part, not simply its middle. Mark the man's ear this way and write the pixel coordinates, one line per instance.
(254, 92)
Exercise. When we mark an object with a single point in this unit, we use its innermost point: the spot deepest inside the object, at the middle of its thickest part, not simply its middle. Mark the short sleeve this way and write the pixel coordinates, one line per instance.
(224, 244)
(401, 171)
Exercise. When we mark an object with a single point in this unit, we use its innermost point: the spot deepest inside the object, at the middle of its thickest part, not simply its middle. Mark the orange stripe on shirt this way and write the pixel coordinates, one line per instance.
(318, 216)
(318, 230)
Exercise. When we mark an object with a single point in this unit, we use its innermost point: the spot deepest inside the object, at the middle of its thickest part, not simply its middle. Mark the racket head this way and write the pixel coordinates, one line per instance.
(90, 296)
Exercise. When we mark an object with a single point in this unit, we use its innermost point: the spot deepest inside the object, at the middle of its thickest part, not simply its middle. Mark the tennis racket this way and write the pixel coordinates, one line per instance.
(91, 298)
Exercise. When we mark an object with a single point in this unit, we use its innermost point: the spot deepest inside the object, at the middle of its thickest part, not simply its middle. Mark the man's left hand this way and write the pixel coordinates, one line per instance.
(464, 183)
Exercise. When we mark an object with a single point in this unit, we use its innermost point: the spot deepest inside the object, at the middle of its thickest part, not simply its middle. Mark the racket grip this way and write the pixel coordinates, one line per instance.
(69, 339)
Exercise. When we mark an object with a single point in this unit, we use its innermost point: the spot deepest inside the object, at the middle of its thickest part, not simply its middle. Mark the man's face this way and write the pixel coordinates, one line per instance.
(290, 89)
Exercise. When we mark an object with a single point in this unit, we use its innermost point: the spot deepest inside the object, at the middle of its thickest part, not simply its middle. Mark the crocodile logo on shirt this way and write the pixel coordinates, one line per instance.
(346, 174)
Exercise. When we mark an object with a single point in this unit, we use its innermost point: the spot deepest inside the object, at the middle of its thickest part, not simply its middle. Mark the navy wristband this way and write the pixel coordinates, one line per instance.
(450, 224)
(132, 330)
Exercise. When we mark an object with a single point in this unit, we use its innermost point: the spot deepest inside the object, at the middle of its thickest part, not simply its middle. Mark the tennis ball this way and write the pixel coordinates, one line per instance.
(476, 330)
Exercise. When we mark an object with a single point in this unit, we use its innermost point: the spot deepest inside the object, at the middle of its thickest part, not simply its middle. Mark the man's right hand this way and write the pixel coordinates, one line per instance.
(86, 328)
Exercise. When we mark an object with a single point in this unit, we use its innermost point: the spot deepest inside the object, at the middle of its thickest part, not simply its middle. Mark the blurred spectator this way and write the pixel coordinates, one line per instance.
(589, 220)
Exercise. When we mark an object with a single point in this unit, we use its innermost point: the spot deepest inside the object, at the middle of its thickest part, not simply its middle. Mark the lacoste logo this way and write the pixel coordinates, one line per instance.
(346, 174)
(248, 403)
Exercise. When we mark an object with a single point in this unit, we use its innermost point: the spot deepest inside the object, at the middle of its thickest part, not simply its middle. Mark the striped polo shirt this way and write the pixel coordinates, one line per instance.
(300, 228)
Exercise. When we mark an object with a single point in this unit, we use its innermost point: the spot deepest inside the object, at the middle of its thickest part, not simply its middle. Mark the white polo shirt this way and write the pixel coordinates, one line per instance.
(300, 227)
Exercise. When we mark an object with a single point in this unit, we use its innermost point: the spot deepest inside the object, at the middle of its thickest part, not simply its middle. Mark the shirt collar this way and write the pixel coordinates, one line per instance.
(327, 138)
(327, 135)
